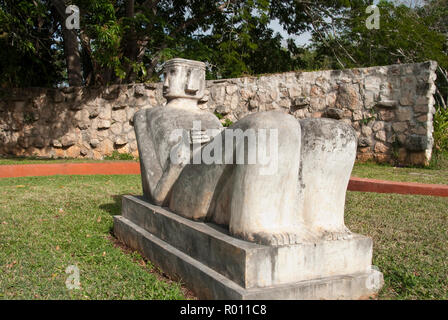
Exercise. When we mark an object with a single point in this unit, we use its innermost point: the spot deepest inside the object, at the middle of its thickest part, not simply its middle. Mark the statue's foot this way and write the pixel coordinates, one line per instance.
(281, 238)
(344, 234)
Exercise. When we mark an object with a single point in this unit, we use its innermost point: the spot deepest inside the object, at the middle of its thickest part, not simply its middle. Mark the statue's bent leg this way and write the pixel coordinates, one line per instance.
(328, 155)
(264, 205)
(192, 194)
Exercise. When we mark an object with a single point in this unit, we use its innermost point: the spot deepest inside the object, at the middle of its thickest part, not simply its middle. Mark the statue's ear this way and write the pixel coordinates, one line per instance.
(193, 81)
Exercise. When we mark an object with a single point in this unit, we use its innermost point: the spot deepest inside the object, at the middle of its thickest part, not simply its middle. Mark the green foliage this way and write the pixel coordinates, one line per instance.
(29, 54)
(219, 115)
(440, 133)
(119, 156)
(28, 118)
(225, 122)
(122, 44)
(406, 34)
(403, 36)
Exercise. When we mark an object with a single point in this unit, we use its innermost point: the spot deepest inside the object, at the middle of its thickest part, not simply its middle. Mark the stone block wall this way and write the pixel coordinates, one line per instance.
(390, 107)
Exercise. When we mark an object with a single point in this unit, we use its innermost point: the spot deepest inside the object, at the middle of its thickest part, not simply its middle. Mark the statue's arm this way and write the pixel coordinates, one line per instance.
(165, 183)
(156, 180)
(151, 169)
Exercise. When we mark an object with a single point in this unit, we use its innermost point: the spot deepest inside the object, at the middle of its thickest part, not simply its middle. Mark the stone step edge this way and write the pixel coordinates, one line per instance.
(213, 285)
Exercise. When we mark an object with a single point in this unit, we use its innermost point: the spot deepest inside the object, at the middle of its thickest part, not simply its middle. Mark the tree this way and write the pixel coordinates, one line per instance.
(406, 35)
(122, 41)
(29, 54)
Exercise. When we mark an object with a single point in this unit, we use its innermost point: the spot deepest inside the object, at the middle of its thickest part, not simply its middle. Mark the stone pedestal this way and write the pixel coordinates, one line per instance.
(215, 265)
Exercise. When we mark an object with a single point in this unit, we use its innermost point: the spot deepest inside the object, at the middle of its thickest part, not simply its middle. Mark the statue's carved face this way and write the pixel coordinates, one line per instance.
(183, 81)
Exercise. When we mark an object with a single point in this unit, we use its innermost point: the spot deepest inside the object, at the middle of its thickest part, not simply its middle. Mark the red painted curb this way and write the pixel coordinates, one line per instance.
(382, 186)
(27, 170)
(127, 167)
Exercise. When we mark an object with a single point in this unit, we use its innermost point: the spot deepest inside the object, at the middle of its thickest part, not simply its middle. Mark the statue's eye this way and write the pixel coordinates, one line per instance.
(173, 71)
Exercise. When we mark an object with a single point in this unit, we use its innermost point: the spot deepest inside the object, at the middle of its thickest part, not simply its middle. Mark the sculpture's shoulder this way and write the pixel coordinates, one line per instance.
(147, 113)
(173, 118)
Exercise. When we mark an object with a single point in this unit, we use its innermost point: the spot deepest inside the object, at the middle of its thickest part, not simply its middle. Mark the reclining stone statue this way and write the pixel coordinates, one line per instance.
(296, 194)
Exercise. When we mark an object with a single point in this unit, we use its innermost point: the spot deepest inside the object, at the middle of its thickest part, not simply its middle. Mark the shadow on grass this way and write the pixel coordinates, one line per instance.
(113, 208)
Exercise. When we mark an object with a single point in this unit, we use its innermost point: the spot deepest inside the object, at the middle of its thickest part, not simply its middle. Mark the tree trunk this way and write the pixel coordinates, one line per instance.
(71, 46)
(130, 43)
(72, 57)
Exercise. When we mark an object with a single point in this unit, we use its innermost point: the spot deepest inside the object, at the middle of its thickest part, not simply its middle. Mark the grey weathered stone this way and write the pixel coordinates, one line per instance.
(116, 128)
(120, 141)
(399, 126)
(94, 143)
(201, 190)
(306, 94)
(387, 104)
(416, 142)
(56, 144)
(111, 92)
(366, 130)
(68, 140)
(378, 125)
(39, 142)
(334, 113)
(216, 265)
(403, 114)
(381, 147)
(284, 229)
(381, 136)
(104, 124)
(139, 90)
(327, 157)
(300, 102)
(364, 142)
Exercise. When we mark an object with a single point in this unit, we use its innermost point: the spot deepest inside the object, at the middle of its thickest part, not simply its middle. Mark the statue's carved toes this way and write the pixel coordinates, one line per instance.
(281, 238)
(344, 234)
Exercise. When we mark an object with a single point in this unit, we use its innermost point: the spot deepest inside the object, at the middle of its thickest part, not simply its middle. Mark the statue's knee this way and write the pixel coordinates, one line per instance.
(284, 125)
(327, 135)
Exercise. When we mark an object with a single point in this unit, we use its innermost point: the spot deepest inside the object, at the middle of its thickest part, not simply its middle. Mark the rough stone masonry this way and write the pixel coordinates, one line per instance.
(390, 107)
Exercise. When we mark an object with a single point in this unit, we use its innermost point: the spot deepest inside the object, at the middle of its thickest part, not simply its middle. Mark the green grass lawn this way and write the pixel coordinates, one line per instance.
(49, 223)
(35, 160)
(387, 172)
(410, 241)
(437, 173)
(9, 161)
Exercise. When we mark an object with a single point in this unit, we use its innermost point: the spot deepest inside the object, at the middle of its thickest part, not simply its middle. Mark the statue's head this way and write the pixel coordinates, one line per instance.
(183, 79)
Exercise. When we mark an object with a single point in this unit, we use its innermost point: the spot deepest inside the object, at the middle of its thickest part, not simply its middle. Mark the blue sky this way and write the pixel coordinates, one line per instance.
(303, 39)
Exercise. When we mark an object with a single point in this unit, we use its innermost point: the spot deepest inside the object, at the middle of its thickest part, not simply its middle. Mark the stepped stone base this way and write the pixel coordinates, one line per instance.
(215, 265)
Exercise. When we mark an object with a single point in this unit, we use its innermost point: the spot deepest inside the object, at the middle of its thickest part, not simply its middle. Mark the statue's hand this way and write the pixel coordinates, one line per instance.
(199, 137)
